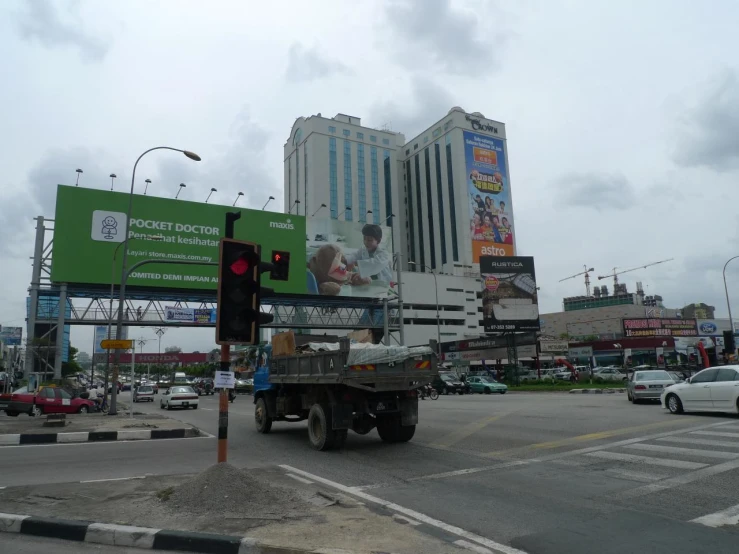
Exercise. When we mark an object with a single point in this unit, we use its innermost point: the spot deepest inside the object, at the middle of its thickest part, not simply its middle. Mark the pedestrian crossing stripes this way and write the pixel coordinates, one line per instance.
(618, 456)
(702, 442)
(684, 451)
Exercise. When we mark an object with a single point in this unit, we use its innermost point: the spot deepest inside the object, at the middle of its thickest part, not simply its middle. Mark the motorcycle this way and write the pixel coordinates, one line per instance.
(427, 391)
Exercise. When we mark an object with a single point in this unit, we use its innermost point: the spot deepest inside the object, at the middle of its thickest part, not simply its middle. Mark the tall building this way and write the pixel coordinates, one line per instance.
(350, 169)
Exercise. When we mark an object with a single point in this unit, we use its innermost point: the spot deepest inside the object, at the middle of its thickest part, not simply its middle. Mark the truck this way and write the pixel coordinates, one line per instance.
(341, 388)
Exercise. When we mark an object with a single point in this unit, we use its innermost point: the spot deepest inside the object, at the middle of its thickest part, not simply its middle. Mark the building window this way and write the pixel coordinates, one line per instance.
(333, 178)
(432, 229)
(346, 132)
(411, 226)
(386, 141)
(442, 227)
(436, 132)
(407, 151)
(419, 211)
(373, 138)
(425, 140)
(375, 185)
(415, 146)
(388, 186)
(452, 210)
(360, 136)
(332, 129)
(361, 184)
(298, 137)
(348, 216)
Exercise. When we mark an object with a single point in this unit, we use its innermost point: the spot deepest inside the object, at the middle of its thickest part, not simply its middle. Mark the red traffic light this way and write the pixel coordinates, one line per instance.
(240, 266)
(277, 257)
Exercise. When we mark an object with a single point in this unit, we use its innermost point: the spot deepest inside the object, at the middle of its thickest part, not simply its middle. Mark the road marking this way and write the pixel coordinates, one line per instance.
(406, 520)
(298, 478)
(113, 479)
(703, 442)
(684, 479)
(470, 470)
(729, 516)
(423, 518)
(468, 430)
(635, 475)
(679, 464)
(475, 548)
(716, 434)
(684, 451)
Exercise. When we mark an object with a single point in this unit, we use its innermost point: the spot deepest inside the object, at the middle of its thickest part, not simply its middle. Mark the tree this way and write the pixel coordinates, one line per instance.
(71, 367)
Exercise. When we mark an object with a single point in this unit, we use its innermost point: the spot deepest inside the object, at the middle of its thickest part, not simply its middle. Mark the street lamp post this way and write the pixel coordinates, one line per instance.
(112, 179)
(346, 208)
(148, 182)
(237, 197)
(267, 202)
(179, 190)
(79, 172)
(318, 210)
(122, 287)
(210, 194)
(296, 203)
(438, 320)
(728, 303)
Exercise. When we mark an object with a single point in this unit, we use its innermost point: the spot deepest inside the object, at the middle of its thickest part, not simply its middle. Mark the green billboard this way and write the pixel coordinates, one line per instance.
(90, 225)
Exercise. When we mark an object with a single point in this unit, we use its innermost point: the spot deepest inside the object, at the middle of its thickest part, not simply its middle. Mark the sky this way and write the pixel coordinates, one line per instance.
(622, 118)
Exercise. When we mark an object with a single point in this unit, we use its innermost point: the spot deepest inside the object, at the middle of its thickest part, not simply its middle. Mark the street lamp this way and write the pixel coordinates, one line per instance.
(237, 197)
(122, 288)
(294, 203)
(726, 289)
(368, 213)
(388, 217)
(210, 194)
(318, 210)
(79, 172)
(438, 321)
(267, 202)
(179, 190)
(112, 179)
(148, 182)
(346, 208)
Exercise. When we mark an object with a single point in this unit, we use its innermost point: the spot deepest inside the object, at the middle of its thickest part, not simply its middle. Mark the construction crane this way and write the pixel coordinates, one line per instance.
(587, 277)
(615, 273)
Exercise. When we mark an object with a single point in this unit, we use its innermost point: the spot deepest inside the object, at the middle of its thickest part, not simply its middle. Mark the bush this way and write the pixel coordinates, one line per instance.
(598, 380)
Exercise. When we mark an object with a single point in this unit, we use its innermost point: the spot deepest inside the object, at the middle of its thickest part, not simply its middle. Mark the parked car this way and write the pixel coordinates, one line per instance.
(647, 384)
(179, 396)
(447, 383)
(715, 389)
(143, 393)
(609, 374)
(48, 400)
(486, 385)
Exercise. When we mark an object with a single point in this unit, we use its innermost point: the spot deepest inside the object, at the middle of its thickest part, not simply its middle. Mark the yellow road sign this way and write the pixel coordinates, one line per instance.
(116, 344)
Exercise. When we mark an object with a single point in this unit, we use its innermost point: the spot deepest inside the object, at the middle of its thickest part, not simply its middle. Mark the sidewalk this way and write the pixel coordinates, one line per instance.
(262, 509)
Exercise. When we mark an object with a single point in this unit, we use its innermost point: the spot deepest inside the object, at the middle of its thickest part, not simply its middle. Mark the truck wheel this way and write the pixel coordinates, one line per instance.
(262, 420)
(390, 429)
(321, 436)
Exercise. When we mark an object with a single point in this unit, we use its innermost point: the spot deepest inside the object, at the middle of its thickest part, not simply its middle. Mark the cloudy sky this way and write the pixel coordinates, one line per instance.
(622, 117)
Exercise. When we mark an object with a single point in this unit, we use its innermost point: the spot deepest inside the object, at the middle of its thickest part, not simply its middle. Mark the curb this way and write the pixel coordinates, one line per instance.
(19, 439)
(596, 391)
(144, 537)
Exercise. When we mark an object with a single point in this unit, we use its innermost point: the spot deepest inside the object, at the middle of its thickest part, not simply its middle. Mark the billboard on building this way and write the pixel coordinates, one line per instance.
(645, 327)
(488, 186)
(346, 258)
(11, 336)
(101, 334)
(509, 296)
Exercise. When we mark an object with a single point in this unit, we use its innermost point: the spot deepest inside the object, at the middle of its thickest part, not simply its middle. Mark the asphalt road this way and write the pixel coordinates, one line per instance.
(543, 473)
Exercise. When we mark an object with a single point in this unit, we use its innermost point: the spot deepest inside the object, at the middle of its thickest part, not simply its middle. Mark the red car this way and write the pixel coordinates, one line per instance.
(49, 400)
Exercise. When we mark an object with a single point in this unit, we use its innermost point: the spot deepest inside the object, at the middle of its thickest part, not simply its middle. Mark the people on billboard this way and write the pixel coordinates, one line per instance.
(476, 228)
(372, 260)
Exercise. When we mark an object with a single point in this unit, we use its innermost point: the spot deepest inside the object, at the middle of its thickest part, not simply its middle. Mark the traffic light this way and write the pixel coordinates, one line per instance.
(238, 315)
(729, 343)
(280, 265)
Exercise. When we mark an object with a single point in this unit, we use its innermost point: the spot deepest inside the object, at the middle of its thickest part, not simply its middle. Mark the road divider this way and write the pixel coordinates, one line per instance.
(23, 439)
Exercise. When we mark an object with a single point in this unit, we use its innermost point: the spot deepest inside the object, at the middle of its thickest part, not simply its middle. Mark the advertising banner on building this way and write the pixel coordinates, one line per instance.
(580, 352)
(491, 216)
(101, 334)
(645, 327)
(553, 346)
(190, 315)
(11, 336)
(347, 258)
(526, 351)
(509, 297)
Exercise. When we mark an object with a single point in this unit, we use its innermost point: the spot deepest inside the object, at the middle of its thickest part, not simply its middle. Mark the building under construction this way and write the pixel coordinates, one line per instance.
(602, 298)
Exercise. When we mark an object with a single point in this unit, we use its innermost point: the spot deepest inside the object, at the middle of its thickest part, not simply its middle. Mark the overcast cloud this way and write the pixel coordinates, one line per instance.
(623, 135)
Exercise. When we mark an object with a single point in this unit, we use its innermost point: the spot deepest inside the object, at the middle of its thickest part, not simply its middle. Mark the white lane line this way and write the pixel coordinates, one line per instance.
(701, 442)
(678, 464)
(406, 520)
(729, 516)
(472, 470)
(684, 451)
(418, 516)
(113, 479)
(298, 478)
(473, 547)
(684, 479)
(717, 434)
(632, 475)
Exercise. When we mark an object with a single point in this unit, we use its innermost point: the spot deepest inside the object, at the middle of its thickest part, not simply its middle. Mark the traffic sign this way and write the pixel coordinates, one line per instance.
(224, 380)
(116, 344)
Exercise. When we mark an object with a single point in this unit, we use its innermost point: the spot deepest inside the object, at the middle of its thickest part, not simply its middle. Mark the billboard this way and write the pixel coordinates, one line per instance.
(190, 315)
(90, 225)
(101, 334)
(488, 185)
(349, 259)
(11, 336)
(645, 327)
(509, 296)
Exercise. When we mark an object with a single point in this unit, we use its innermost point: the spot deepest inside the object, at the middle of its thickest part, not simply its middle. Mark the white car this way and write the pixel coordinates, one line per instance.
(609, 374)
(715, 389)
(143, 392)
(179, 396)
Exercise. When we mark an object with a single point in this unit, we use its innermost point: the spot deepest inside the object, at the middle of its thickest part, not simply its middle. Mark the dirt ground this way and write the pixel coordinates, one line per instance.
(89, 422)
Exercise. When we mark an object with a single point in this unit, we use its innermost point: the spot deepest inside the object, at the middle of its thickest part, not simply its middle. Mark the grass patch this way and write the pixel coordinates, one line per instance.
(164, 494)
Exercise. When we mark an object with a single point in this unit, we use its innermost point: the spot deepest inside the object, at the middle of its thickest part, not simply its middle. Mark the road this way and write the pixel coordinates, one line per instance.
(543, 473)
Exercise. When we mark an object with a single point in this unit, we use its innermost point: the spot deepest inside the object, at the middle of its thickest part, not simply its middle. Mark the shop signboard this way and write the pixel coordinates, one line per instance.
(509, 294)
(553, 346)
(526, 351)
(646, 327)
(580, 352)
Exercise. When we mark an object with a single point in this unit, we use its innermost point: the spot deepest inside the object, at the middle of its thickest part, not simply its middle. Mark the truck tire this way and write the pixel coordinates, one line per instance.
(391, 430)
(322, 436)
(261, 417)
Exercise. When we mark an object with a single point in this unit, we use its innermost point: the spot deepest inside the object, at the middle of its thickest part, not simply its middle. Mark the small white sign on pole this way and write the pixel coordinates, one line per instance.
(225, 380)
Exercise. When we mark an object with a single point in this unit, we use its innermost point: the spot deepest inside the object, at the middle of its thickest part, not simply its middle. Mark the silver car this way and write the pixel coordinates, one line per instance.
(647, 384)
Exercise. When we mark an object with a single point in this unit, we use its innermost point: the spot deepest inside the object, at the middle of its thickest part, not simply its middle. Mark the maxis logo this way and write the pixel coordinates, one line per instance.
(287, 225)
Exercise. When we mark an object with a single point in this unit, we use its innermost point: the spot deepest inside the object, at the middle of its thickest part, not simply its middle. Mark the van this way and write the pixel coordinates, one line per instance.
(180, 378)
